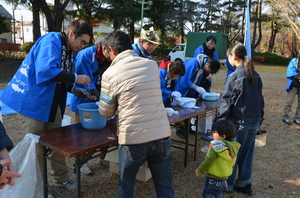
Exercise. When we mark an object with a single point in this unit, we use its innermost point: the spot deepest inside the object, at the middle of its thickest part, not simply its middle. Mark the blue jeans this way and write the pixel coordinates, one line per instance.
(245, 135)
(158, 154)
(214, 187)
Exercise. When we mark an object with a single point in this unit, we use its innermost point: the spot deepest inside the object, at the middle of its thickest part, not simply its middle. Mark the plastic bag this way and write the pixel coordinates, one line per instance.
(25, 162)
(186, 102)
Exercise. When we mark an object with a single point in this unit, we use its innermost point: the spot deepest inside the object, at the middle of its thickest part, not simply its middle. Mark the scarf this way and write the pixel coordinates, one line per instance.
(144, 53)
(208, 52)
(99, 54)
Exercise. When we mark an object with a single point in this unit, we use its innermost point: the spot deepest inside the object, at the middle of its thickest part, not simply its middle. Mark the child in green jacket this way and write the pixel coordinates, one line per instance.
(220, 159)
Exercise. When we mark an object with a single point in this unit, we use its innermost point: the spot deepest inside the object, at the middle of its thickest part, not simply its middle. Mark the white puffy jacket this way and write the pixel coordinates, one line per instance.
(131, 88)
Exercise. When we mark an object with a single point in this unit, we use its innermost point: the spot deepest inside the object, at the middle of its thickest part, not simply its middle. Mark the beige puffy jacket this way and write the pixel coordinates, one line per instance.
(131, 87)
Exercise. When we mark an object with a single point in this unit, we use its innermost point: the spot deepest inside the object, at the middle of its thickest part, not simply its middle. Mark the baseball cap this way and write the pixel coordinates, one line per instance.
(150, 36)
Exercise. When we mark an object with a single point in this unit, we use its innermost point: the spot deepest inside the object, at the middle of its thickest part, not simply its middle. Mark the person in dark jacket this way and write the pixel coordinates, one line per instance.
(7, 173)
(243, 103)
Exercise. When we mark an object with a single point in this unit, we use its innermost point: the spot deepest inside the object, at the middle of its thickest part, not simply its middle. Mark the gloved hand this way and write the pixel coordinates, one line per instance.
(171, 111)
(176, 94)
(80, 93)
(201, 90)
(96, 94)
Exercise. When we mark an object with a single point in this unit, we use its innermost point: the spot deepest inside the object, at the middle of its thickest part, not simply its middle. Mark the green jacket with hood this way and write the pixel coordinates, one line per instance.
(220, 159)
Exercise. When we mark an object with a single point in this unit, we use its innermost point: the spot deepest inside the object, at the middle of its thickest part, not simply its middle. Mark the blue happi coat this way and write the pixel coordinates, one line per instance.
(30, 92)
(166, 93)
(184, 83)
(85, 63)
(200, 50)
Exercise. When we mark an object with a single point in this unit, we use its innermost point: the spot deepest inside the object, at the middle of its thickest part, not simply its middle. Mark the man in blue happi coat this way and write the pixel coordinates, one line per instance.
(195, 82)
(38, 90)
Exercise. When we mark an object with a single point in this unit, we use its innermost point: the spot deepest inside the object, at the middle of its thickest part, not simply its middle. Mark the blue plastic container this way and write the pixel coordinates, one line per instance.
(90, 117)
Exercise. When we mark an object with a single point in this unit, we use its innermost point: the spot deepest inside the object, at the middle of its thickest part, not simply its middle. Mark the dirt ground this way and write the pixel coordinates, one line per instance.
(276, 165)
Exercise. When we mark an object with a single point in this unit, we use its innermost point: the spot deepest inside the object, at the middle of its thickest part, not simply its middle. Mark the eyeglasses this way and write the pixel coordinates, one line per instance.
(83, 42)
(212, 44)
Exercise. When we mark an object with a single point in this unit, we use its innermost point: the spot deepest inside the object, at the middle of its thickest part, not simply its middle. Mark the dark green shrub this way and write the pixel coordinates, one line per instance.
(161, 52)
(27, 46)
(273, 58)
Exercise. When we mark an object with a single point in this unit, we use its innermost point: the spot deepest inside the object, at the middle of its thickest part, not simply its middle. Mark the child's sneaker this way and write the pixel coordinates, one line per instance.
(287, 122)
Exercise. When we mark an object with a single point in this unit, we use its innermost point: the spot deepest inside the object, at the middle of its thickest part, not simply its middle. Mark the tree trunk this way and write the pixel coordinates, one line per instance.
(257, 25)
(131, 30)
(54, 22)
(244, 14)
(48, 15)
(294, 45)
(254, 26)
(36, 31)
(181, 25)
(272, 37)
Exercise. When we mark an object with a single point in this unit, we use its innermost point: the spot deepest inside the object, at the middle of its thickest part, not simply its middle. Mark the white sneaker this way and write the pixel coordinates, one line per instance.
(85, 169)
(69, 184)
(50, 196)
(103, 162)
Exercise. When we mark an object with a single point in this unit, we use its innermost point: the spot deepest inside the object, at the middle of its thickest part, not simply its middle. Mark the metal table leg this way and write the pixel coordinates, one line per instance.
(187, 143)
(196, 139)
(77, 172)
(45, 172)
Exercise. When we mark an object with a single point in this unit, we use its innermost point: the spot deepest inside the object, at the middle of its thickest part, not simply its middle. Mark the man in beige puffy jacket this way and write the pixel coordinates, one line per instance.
(131, 88)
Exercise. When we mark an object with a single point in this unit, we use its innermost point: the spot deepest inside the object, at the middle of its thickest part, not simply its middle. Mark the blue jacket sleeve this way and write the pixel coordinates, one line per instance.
(136, 49)
(199, 50)
(4, 139)
(216, 55)
(86, 63)
(165, 92)
(184, 83)
(291, 72)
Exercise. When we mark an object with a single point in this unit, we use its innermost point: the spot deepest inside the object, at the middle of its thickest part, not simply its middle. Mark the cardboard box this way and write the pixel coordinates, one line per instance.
(144, 173)
(205, 124)
(66, 121)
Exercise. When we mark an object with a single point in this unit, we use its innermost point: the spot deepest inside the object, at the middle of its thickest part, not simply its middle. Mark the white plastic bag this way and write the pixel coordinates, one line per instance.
(186, 102)
(24, 160)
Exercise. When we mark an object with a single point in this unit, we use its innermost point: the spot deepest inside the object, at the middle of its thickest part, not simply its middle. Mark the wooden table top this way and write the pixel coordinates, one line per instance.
(73, 140)
(185, 113)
